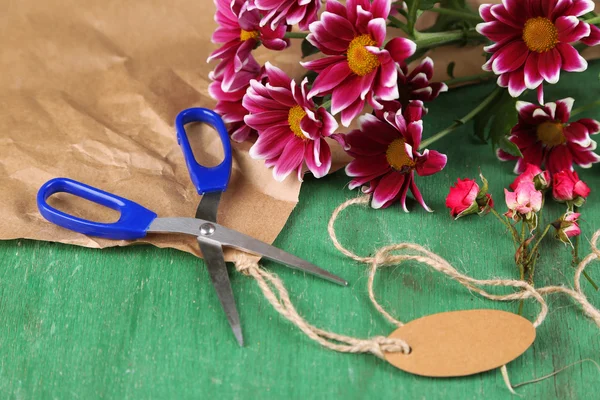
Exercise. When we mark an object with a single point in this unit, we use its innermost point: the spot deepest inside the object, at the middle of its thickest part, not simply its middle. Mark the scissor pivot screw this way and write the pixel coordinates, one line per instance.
(207, 229)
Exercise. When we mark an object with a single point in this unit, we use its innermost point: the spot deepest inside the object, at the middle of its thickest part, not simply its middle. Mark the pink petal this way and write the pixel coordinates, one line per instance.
(533, 78)
(572, 61)
(563, 109)
(330, 78)
(502, 15)
(594, 38)
(325, 41)
(400, 49)
(377, 129)
(367, 166)
(276, 76)
(434, 163)
(485, 10)
(577, 133)
(510, 57)
(346, 93)
(584, 157)
(549, 65)
(361, 144)
(559, 158)
(337, 25)
(351, 112)
(497, 31)
(414, 132)
(415, 191)
(381, 8)
(322, 63)
(387, 189)
(593, 126)
(318, 157)
(425, 67)
(571, 29)
(376, 29)
(266, 119)
(516, 83)
(271, 142)
(329, 123)
(581, 7)
(291, 157)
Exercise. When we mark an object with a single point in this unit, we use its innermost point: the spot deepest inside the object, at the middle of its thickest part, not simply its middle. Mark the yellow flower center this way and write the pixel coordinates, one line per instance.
(551, 133)
(360, 60)
(397, 156)
(294, 117)
(246, 35)
(540, 34)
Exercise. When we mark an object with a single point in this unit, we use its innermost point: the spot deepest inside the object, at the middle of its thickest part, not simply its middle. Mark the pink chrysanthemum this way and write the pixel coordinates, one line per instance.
(546, 138)
(357, 68)
(239, 32)
(386, 156)
(291, 129)
(291, 12)
(229, 104)
(416, 85)
(532, 40)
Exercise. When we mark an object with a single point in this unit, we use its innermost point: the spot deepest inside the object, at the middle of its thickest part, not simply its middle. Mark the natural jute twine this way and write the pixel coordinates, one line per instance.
(274, 291)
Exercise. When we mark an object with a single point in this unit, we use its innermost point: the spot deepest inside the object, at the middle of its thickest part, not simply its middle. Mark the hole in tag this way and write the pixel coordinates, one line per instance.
(82, 208)
(205, 143)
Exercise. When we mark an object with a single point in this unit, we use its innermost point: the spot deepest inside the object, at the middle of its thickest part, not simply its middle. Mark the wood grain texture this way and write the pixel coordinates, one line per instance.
(145, 323)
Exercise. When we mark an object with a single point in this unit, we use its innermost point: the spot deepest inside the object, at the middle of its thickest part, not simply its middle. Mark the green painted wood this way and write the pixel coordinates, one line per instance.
(145, 323)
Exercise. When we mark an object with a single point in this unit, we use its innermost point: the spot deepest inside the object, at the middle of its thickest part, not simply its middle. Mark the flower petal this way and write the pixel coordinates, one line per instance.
(290, 159)
(387, 189)
(433, 163)
(549, 65)
(572, 61)
(400, 48)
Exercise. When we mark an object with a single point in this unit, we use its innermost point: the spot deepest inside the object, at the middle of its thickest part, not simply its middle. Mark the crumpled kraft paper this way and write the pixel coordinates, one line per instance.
(89, 90)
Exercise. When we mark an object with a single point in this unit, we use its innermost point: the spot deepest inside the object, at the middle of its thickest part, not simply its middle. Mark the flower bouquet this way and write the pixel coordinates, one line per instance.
(373, 72)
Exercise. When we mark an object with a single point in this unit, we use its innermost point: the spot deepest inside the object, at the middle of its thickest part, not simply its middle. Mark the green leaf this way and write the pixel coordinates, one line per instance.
(447, 22)
(510, 147)
(308, 49)
(505, 118)
(450, 69)
(427, 4)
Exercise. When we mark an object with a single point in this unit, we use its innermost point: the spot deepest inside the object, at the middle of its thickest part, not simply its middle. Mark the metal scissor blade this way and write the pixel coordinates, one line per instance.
(231, 238)
(213, 255)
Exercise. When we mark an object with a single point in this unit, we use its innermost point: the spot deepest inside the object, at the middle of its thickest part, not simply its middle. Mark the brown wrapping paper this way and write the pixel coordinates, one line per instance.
(90, 89)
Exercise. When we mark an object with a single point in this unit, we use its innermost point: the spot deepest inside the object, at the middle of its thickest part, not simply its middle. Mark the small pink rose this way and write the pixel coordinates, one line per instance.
(462, 196)
(524, 200)
(568, 187)
(534, 174)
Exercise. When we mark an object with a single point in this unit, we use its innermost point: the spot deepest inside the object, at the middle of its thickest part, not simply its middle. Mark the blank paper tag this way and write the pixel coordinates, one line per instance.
(460, 343)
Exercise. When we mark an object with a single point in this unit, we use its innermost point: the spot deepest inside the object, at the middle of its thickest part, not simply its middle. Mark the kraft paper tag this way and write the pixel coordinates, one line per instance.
(460, 343)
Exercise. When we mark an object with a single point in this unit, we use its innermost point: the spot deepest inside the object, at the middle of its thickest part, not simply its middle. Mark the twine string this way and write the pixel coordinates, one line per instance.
(276, 293)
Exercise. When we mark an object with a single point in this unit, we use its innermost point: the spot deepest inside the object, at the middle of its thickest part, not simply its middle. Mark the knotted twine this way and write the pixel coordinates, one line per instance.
(276, 293)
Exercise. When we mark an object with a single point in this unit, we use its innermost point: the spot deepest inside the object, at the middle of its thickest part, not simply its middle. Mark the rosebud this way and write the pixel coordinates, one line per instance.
(533, 173)
(567, 227)
(466, 197)
(569, 188)
(524, 203)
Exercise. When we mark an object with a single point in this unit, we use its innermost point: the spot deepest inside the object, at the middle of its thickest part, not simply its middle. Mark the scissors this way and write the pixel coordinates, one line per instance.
(136, 221)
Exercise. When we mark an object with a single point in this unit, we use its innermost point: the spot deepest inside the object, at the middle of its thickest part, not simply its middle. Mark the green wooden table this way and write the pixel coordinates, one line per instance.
(145, 323)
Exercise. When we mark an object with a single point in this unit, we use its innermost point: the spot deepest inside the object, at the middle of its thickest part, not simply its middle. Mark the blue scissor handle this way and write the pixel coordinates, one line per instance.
(132, 224)
(206, 179)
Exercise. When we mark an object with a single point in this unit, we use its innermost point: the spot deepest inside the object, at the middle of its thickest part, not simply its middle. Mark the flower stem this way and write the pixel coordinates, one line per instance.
(576, 259)
(295, 35)
(589, 106)
(470, 79)
(463, 120)
(397, 23)
(535, 247)
(412, 17)
(457, 13)
(508, 225)
(431, 40)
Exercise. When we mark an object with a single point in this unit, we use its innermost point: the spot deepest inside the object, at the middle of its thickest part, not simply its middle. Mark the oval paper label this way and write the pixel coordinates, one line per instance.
(459, 343)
